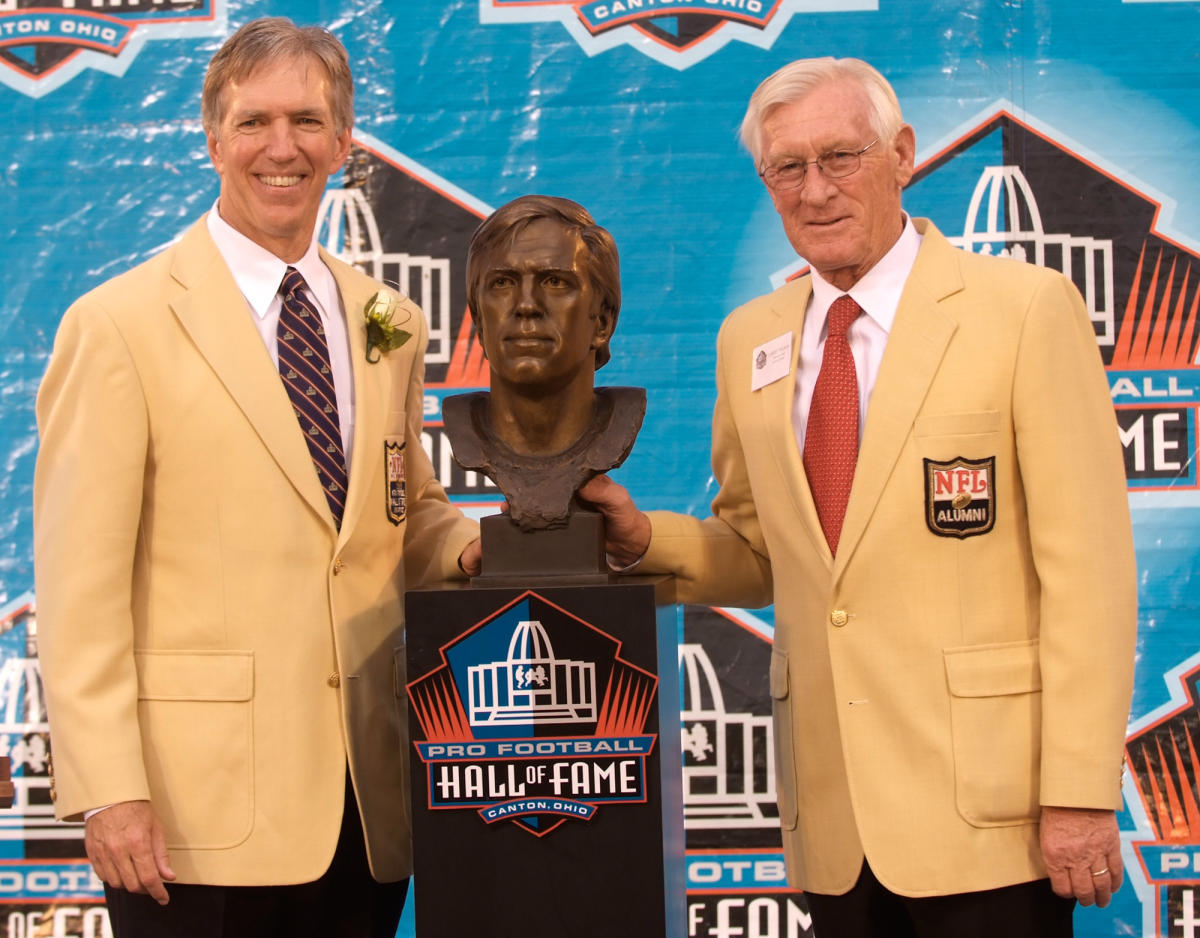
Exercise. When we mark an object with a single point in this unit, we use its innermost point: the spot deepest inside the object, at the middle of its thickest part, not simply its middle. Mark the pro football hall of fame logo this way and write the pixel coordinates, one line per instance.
(46, 43)
(534, 718)
(678, 33)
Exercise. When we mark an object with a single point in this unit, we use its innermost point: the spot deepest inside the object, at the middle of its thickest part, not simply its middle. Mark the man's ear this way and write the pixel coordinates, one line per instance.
(214, 151)
(604, 320)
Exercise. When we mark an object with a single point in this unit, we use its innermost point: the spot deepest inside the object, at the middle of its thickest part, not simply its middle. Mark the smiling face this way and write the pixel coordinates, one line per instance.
(540, 317)
(274, 150)
(840, 226)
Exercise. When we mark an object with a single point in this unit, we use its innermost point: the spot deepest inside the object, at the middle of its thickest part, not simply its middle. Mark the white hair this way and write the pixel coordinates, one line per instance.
(798, 79)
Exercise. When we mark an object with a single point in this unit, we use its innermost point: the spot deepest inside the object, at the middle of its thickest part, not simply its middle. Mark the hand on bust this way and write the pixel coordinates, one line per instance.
(626, 529)
(471, 559)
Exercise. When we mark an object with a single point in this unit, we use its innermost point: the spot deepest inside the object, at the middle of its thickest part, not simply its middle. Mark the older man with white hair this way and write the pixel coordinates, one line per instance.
(919, 465)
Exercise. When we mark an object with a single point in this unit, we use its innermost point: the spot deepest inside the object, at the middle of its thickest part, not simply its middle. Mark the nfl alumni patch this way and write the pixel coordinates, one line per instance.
(393, 464)
(960, 496)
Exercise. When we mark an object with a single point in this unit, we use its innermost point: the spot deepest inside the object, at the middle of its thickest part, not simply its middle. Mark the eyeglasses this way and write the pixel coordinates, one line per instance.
(790, 174)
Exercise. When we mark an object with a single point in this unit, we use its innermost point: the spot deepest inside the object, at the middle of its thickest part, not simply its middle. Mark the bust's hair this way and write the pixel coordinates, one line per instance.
(274, 39)
(602, 266)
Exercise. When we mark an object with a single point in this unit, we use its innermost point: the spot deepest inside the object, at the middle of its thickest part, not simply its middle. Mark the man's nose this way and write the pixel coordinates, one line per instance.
(817, 187)
(527, 302)
(281, 141)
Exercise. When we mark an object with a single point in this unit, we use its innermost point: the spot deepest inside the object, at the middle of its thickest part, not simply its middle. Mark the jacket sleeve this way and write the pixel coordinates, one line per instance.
(721, 560)
(1073, 478)
(436, 532)
(88, 484)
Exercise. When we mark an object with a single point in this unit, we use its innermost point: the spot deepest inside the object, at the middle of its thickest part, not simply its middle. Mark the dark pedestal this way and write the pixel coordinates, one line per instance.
(512, 557)
(546, 782)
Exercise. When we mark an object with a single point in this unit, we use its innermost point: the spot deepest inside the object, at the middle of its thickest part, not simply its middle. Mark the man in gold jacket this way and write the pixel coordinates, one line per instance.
(954, 640)
(220, 613)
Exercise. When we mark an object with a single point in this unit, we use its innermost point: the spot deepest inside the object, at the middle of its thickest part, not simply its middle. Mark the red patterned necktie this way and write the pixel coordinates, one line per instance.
(304, 368)
(831, 436)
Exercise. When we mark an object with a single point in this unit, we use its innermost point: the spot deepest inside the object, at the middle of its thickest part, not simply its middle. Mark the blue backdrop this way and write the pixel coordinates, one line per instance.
(1065, 131)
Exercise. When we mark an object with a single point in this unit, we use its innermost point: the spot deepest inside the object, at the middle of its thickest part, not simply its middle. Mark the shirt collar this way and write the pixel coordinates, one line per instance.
(256, 271)
(878, 292)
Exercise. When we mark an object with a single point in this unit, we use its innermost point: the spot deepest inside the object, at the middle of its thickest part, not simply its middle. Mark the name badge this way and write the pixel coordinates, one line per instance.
(772, 361)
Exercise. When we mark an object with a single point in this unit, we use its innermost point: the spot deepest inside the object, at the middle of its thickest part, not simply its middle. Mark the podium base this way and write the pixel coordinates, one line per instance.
(546, 780)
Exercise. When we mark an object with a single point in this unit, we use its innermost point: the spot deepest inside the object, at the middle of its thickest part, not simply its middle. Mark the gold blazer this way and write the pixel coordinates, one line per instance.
(932, 685)
(208, 639)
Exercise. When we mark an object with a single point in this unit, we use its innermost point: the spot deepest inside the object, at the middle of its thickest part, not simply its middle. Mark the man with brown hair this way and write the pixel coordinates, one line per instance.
(230, 499)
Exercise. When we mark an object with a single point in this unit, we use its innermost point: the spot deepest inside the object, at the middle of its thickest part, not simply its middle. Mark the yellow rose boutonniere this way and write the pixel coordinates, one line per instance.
(382, 334)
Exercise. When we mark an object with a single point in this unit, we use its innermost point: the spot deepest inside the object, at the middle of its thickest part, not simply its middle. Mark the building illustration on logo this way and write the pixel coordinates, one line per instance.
(728, 758)
(346, 226)
(1003, 219)
(46, 43)
(678, 33)
(531, 686)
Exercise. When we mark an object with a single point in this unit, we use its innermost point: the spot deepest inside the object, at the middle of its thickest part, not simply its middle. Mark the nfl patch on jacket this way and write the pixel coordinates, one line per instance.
(393, 460)
(960, 496)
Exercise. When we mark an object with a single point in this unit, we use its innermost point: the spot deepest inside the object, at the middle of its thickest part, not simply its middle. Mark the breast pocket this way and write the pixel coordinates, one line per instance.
(996, 725)
(975, 423)
(957, 455)
(196, 716)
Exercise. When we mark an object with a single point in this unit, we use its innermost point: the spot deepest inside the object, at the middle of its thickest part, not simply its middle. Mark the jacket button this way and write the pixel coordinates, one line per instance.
(337, 566)
(838, 618)
(334, 679)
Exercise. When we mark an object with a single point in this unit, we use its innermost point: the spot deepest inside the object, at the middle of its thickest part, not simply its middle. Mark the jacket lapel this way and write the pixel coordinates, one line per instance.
(214, 313)
(919, 337)
(372, 390)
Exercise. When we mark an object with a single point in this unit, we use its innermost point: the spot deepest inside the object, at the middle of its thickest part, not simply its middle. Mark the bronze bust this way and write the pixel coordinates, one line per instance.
(543, 284)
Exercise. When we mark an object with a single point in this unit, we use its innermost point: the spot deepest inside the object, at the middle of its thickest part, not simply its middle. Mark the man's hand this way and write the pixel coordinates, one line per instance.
(471, 559)
(626, 530)
(128, 850)
(1082, 851)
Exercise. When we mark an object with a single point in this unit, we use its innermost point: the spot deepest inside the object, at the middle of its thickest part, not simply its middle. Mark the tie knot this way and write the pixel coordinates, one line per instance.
(842, 313)
(293, 282)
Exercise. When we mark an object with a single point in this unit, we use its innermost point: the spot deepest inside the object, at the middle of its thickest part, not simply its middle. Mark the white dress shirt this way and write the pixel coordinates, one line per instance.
(258, 274)
(878, 294)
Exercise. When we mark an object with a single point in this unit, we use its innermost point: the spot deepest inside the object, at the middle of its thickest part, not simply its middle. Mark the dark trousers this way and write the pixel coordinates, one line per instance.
(344, 903)
(1030, 910)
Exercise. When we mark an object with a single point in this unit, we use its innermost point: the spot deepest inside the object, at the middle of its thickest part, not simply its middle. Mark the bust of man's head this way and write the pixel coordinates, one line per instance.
(544, 286)
(543, 282)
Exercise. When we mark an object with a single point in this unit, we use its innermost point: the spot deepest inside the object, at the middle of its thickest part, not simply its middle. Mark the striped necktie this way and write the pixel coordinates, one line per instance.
(831, 435)
(308, 378)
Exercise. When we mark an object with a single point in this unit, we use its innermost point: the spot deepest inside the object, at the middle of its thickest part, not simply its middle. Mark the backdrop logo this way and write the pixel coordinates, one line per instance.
(45, 43)
(1164, 762)
(534, 718)
(678, 33)
(405, 225)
